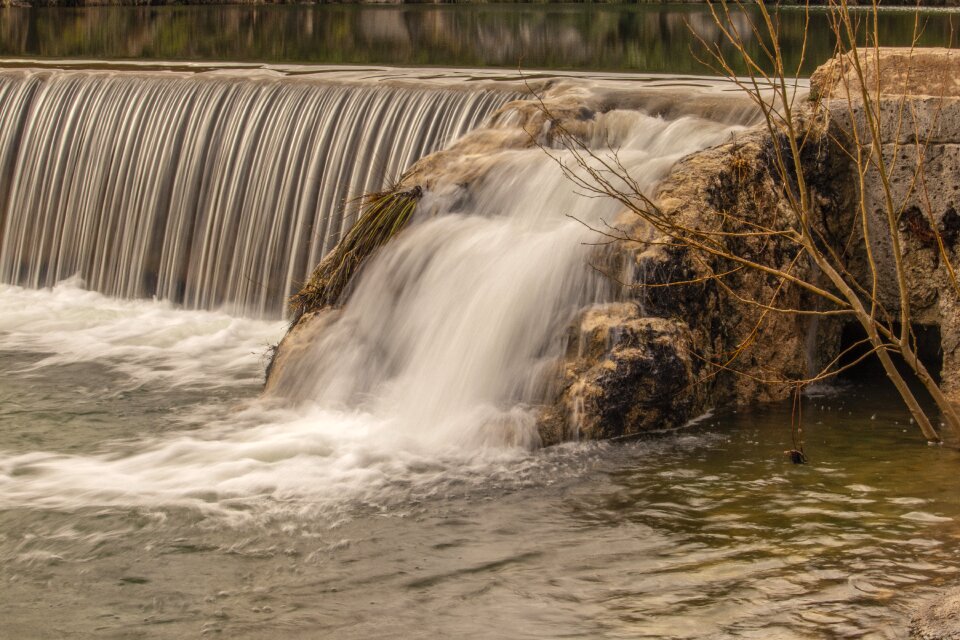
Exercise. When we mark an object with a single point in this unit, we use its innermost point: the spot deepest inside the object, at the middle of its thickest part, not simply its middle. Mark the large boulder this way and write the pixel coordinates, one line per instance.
(683, 341)
(626, 373)
(676, 342)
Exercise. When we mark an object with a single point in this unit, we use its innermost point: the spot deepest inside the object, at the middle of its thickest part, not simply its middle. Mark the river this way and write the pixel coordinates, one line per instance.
(155, 215)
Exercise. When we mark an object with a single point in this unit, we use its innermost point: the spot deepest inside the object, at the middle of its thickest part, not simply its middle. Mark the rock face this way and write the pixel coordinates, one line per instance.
(691, 322)
(918, 105)
(626, 372)
(919, 125)
(287, 367)
(658, 356)
(939, 619)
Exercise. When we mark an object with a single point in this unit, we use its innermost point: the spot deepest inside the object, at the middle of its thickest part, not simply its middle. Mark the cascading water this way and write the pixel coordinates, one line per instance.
(443, 352)
(211, 190)
(388, 489)
(452, 333)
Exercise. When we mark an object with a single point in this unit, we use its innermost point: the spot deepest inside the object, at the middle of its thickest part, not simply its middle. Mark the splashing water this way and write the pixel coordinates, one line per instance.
(436, 367)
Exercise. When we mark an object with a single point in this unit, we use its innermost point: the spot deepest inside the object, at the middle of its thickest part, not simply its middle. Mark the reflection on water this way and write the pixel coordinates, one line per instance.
(646, 38)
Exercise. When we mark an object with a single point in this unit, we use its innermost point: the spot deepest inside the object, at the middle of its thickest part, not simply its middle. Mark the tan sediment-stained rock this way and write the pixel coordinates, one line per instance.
(625, 374)
(290, 361)
(916, 95)
(893, 71)
(658, 368)
(648, 361)
(948, 309)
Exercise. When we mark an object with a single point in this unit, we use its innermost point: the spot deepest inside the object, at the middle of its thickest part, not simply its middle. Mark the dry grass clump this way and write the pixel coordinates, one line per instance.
(382, 216)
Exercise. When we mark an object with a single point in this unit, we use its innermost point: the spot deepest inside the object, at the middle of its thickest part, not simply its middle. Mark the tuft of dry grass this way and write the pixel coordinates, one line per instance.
(382, 216)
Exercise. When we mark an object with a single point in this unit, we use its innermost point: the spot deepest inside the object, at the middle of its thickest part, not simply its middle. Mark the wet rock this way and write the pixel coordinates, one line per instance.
(662, 355)
(289, 368)
(625, 374)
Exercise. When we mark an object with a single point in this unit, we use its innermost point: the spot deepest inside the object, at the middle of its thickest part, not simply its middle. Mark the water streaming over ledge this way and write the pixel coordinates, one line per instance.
(440, 360)
(454, 332)
(142, 485)
(210, 190)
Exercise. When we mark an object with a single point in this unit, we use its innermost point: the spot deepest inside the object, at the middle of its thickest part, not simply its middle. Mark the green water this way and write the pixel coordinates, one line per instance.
(645, 38)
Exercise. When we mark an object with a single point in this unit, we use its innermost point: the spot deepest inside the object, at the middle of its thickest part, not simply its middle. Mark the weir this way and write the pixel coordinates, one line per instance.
(211, 190)
(545, 380)
(445, 356)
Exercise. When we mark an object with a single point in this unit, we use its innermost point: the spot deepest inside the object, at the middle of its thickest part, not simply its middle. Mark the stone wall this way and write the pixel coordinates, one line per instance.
(917, 98)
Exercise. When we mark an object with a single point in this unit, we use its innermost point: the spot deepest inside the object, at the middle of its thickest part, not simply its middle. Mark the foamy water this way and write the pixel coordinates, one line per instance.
(454, 332)
(433, 375)
(147, 341)
(258, 455)
(149, 490)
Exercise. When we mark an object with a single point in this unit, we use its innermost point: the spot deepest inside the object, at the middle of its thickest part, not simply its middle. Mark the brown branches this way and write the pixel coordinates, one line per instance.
(770, 229)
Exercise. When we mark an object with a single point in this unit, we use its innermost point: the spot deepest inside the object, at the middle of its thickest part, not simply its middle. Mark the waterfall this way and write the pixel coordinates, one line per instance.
(456, 329)
(212, 190)
(434, 372)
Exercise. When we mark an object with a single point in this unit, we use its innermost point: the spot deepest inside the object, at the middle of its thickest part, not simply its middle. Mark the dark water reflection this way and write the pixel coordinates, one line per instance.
(652, 38)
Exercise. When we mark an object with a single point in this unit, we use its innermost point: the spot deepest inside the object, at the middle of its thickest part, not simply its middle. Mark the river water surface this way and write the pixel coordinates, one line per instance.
(147, 490)
(649, 38)
(144, 494)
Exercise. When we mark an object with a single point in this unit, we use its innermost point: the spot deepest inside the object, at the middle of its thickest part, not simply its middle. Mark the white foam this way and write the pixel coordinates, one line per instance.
(146, 340)
(262, 461)
(427, 382)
